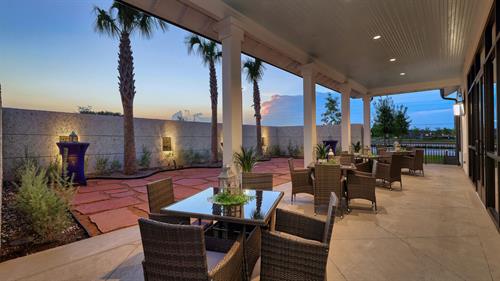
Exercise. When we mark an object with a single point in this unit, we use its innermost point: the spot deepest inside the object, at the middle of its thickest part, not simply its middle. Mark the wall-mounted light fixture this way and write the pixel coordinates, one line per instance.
(166, 144)
(263, 141)
(458, 109)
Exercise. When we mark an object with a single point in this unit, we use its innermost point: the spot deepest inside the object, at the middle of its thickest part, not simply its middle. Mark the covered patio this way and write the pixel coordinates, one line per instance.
(435, 229)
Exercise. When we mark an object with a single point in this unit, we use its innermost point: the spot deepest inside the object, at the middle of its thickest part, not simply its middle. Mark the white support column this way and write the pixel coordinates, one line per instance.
(367, 137)
(231, 36)
(309, 113)
(346, 117)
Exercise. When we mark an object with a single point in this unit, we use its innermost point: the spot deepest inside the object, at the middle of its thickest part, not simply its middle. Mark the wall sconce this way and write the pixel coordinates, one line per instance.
(458, 109)
(166, 144)
(263, 141)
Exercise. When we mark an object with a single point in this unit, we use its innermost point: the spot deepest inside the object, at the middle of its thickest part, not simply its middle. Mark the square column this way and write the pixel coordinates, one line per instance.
(367, 137)
(309, 113)
(231, 37)
(346, 118)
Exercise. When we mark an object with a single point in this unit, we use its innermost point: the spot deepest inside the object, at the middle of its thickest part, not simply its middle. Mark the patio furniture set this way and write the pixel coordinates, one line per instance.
(196, 239)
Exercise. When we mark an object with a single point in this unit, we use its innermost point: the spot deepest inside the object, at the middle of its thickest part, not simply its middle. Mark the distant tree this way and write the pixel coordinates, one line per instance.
(401, 121)
(210, 55)
(332, 115)
(384, 118)
(121, 21)
(255, 70)
(89, 110)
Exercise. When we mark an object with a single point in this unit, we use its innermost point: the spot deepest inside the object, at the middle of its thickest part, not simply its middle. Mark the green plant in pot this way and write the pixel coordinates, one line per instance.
(245, 159)
(356, 147)
(321, 152)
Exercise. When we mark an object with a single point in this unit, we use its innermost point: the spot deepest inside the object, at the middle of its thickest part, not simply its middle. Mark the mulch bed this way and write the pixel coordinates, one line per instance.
(18, 239)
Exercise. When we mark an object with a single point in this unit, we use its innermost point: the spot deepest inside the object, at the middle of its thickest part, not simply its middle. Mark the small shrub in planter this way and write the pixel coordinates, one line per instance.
(46, 208)
(246, 159)
(145, 160)
(101, 166)
(115, 165)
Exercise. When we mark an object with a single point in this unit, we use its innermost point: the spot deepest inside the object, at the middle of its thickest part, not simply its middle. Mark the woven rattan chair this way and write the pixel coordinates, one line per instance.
(182, 252)
(416, 163)
(361, 185)
(327, 179)
(262, 181)
(301, 180)
(365, 167)
(390, 172)
(298, 250)
(161, 194)
(346, 159)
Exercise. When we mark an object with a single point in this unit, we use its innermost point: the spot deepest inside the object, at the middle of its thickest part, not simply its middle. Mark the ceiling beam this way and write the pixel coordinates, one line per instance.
(415, 87)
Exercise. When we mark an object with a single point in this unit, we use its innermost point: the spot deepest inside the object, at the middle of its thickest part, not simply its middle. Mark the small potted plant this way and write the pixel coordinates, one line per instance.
(356, 147)
(245, 160)
(321, 152)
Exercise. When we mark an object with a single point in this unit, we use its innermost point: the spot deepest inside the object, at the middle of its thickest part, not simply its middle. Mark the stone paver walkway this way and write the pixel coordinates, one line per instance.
(106, 205)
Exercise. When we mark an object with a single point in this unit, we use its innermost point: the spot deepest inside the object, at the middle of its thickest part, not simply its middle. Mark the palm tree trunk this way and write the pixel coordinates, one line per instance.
(127, 93)
(213, 99)
(258, 117)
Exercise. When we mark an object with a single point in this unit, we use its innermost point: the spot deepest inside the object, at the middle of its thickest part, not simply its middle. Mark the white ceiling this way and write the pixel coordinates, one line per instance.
(429, 38)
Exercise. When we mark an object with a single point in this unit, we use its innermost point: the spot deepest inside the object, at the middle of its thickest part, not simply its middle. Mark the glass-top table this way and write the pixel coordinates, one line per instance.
(257, 211)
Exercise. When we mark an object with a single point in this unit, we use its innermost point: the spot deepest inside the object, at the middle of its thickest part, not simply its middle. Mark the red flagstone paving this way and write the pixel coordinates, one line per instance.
(114, 219)
(105, 205)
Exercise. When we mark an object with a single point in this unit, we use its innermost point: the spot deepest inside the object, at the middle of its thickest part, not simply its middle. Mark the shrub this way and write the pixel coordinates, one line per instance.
(293, 150)
(101, 165)
(145, 159)
(275, 150)
(25, 162)
(45, 209)
(115, 165)
(246, 159)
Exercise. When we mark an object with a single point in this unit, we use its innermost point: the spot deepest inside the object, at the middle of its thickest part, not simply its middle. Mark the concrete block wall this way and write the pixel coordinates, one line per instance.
(36, 133)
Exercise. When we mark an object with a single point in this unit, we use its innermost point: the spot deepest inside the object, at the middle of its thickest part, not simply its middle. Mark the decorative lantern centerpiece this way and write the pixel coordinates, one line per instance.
(73, 137)
(397, 146)
(227, 180)
(331, 155)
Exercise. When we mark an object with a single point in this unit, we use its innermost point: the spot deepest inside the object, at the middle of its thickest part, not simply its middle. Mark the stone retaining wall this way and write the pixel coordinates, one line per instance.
(36, 132)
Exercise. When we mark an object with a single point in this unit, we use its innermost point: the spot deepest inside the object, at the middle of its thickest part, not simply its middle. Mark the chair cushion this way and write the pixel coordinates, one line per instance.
(213, 258)
(374, 168)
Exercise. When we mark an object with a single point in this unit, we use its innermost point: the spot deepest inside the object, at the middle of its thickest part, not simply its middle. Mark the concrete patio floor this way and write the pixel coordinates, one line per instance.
(435, 229)
(106, 205)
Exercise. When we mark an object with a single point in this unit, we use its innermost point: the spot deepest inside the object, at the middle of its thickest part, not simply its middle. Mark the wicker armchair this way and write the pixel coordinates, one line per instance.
(365, 167)
(182, 252)
(299, 249)
(301, 180)
(361, 185)
(327, 179)
(262, 181)
(390, 172)
(416, 163)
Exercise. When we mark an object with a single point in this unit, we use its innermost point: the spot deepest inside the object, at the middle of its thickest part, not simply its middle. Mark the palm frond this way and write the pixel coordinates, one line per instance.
(254, 69)
(206, 49)
(105, 23)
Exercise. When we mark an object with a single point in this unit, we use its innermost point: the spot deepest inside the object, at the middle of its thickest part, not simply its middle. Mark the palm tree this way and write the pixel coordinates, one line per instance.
(121, 21)
(210, 55)
(255, 70)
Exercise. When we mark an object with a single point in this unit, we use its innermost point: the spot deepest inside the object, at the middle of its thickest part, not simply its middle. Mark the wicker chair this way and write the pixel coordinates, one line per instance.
(327, 179)
(346, 159)
(301, 180)
(161, 194)
(361, 185)
(416, 163)
(365, 167)
(182, 252)
(390, 172)
(262, 181)
(299, 249)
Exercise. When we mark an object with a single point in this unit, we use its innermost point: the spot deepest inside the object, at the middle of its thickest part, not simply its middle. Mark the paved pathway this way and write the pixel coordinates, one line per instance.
(107, 205)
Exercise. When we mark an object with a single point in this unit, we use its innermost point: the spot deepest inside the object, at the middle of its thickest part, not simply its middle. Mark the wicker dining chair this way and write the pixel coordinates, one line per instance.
(161, 194)
(301, 180)
(416, 163)
(298, 250)
(390, 172)
(262, 181)
(182, 252)
(361, 185)
(346, 158)
(327, 179)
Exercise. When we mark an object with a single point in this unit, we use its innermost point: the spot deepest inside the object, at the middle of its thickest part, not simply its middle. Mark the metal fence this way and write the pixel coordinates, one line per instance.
(434, 152)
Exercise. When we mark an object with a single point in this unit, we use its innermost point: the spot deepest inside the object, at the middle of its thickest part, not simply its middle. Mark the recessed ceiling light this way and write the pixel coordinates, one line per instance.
(376, 37)
(392, 60)
(402, 74)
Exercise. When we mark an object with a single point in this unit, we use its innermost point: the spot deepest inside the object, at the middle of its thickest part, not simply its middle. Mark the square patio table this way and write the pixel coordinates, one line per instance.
(257, 212)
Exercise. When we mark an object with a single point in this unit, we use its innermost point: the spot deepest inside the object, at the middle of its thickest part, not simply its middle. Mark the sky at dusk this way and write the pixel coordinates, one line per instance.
(51, 59)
